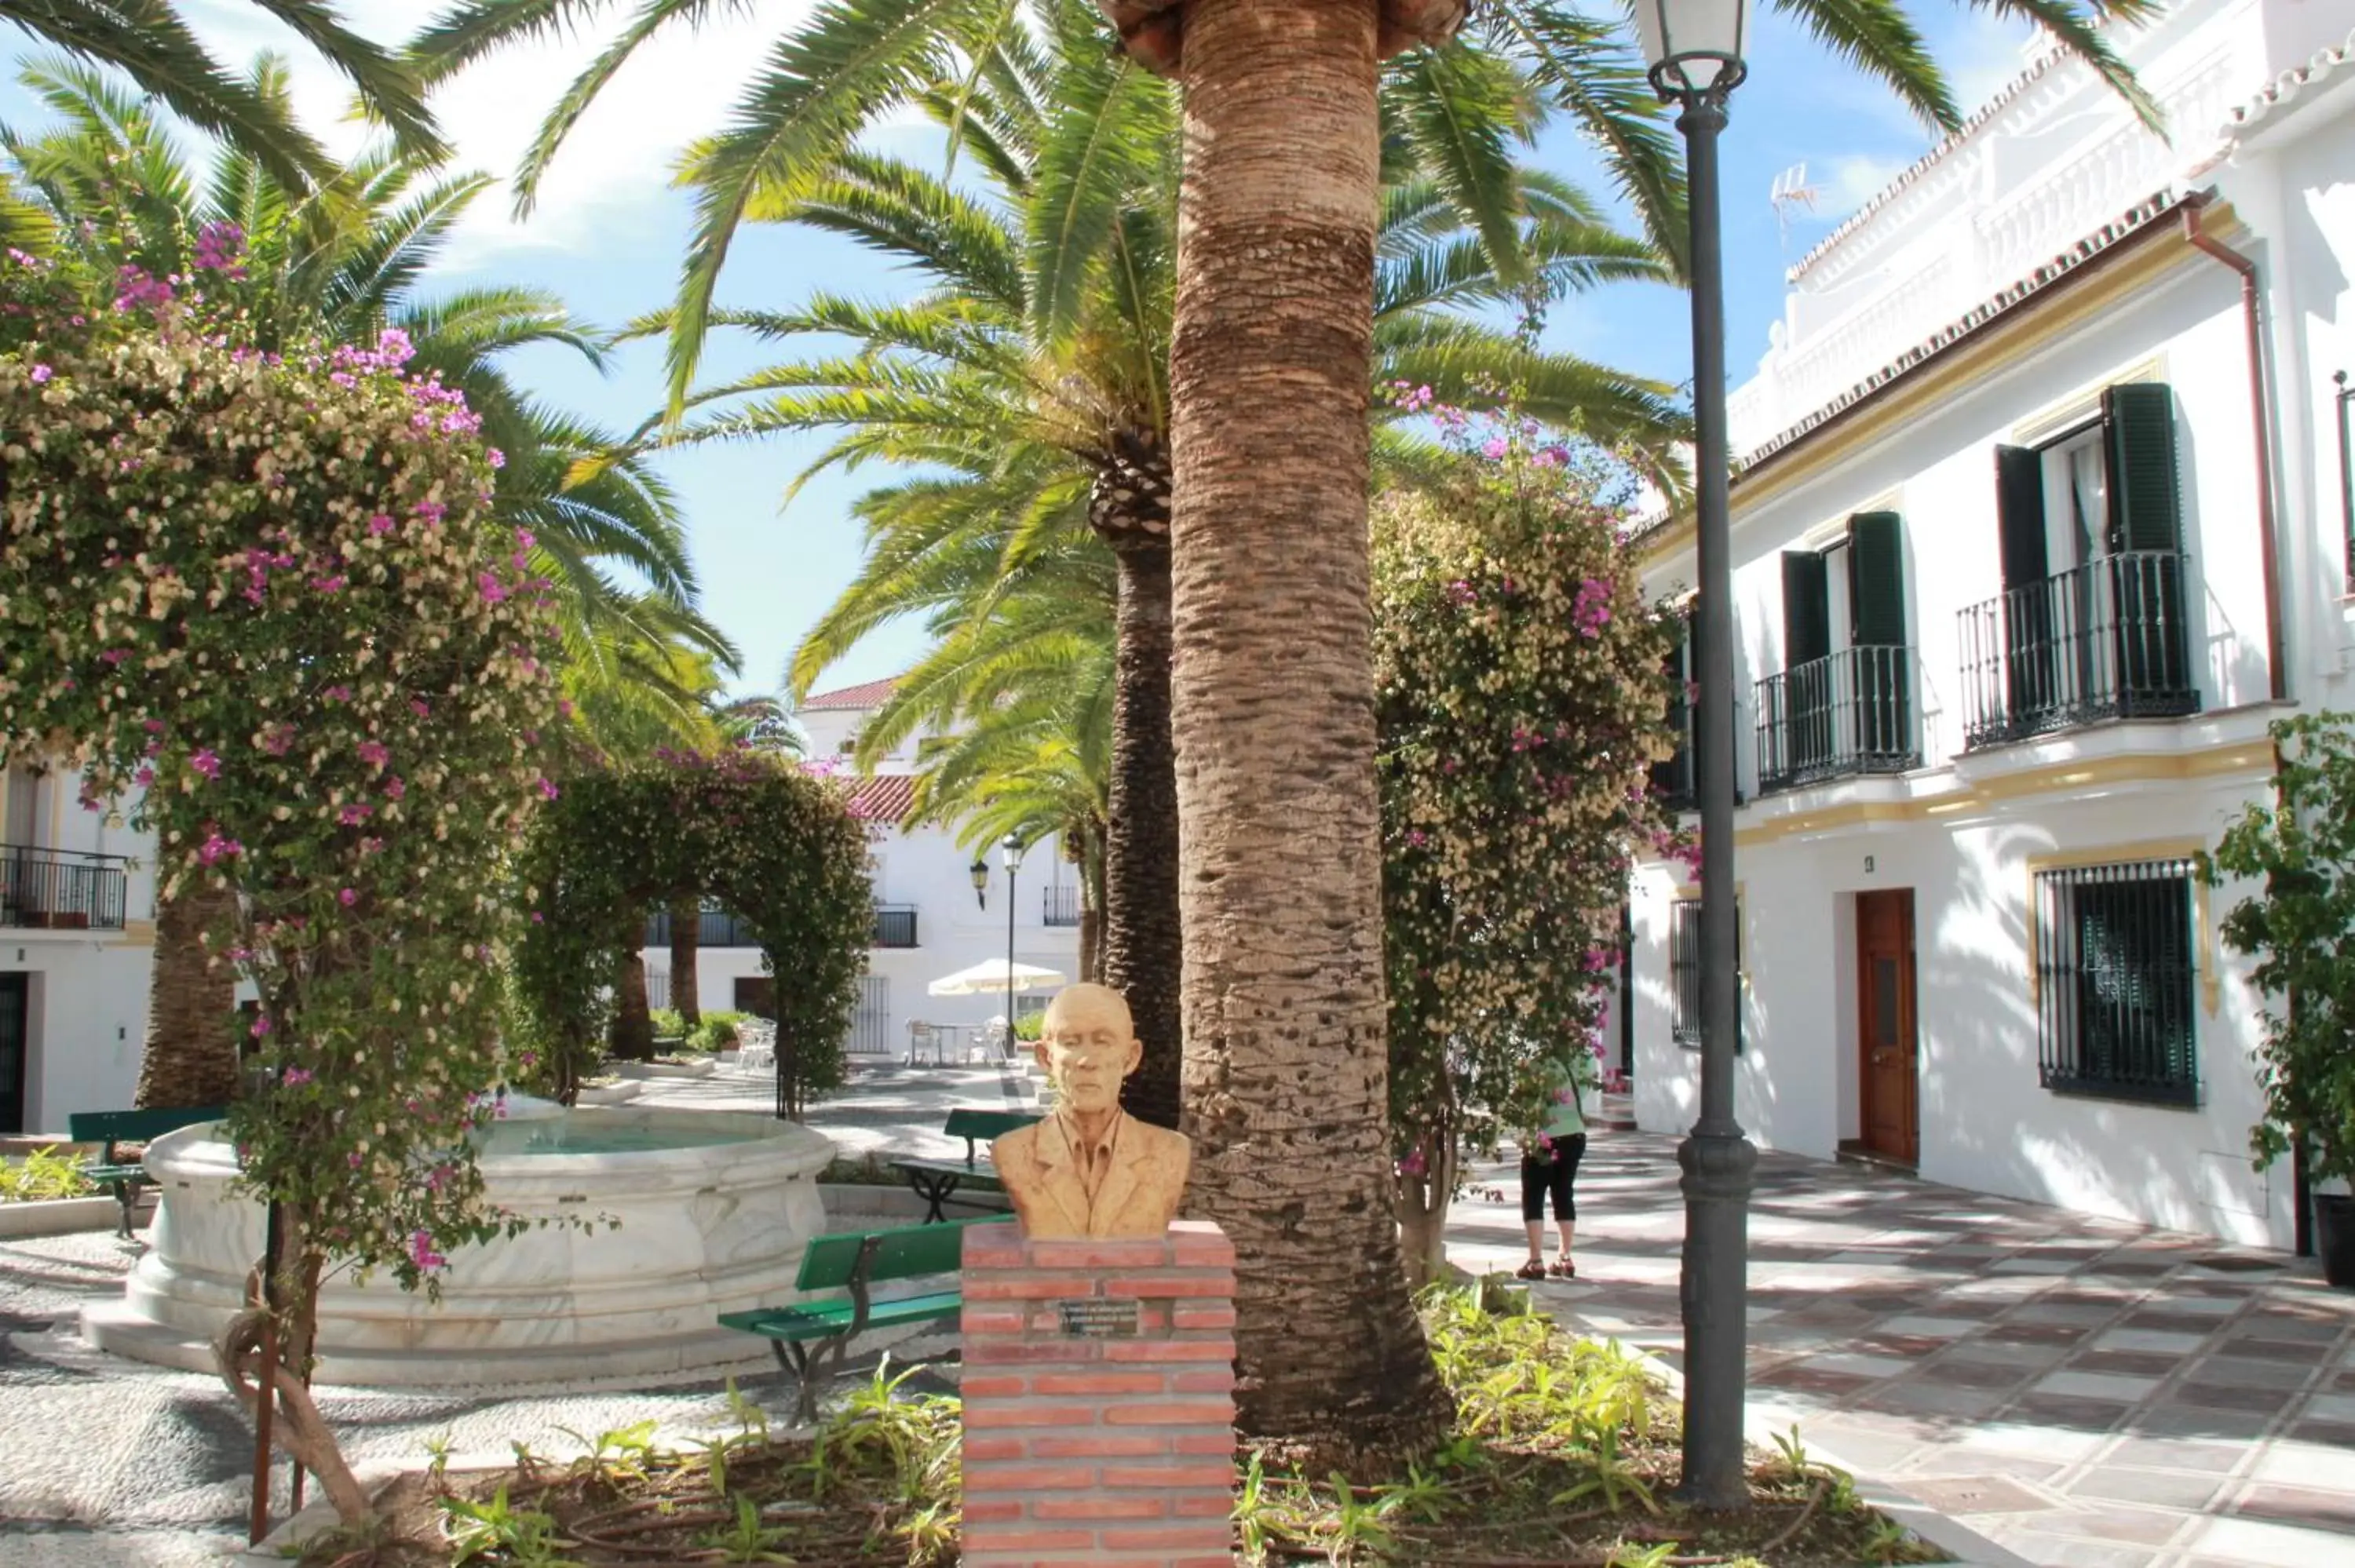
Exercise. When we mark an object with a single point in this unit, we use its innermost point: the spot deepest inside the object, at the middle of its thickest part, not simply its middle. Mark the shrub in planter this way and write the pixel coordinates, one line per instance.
(44, 1176)
(2297, 929)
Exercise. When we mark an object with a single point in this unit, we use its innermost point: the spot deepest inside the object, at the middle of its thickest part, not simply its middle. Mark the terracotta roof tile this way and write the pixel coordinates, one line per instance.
(849, 699)
(883, 798)
(2290, 84)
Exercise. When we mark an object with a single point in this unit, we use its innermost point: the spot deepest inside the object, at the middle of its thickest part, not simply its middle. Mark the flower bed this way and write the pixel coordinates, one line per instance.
(1563, 1454)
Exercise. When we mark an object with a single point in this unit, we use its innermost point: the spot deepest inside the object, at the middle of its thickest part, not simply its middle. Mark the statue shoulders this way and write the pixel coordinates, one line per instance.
(1160, 1139)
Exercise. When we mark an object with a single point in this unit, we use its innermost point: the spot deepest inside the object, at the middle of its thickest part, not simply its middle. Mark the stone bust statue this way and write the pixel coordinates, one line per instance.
(1091, 1170)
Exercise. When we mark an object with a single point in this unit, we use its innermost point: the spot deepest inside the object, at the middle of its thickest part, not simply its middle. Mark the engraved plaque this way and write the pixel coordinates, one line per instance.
(1099, 1317)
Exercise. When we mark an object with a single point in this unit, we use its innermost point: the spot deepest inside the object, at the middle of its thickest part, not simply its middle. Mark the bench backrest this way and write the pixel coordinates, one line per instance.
(137, 1126)
(984, 1124)
(902, 1254)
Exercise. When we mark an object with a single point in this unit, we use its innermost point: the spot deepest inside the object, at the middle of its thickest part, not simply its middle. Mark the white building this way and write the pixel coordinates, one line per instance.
(76, 932)
(930, 920)
(2027, 557)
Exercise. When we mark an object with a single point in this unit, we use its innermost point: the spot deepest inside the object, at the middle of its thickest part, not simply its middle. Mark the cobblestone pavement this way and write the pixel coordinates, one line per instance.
(2087, 1393)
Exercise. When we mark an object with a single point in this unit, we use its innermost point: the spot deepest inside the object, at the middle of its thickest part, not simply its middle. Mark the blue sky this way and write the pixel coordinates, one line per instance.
(609, 232)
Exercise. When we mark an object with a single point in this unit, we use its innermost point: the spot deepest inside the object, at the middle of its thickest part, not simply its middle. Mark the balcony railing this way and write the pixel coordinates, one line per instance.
(2101, 642)
(60, 890)
(1062, 905)
(895, 925)
(1836, 718)
(716, 928)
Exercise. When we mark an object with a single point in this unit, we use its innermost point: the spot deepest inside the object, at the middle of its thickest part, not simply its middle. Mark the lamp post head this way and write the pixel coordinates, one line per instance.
(1693, 46)
(979, 871)
(1010, 854)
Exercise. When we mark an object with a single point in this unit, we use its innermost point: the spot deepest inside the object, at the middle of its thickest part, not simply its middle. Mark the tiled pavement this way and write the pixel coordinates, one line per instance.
(2086, 1392)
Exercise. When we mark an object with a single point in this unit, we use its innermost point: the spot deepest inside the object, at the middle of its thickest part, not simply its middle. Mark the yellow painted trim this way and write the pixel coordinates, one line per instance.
(2020, 334)
(135, 934)
(2216, 762)
(2211, 985)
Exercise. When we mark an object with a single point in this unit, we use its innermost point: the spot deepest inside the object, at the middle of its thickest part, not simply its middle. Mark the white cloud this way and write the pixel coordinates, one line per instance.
(617, 159)
(1854, 180)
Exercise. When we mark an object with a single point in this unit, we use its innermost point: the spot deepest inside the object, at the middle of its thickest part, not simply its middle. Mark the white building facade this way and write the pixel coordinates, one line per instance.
(930, 918)
(77, 933)
(2027, 553)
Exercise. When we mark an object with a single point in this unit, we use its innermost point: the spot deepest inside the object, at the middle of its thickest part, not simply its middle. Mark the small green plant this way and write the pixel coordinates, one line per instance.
(437, 1458)
(668, 1022)
(1608, 1473)
(1652, 1556)
(479, 1530)
(44, 1175)
(1358, 1527)
(748, 1539)
(618, 1455)
(1890, 1542)
(1256, 1513)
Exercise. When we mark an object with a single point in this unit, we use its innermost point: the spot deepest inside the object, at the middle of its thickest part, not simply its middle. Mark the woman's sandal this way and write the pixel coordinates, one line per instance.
(1532, 1269)
(1563, 1268)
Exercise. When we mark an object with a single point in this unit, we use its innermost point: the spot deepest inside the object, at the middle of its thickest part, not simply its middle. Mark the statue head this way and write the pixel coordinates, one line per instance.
(1087, 1046)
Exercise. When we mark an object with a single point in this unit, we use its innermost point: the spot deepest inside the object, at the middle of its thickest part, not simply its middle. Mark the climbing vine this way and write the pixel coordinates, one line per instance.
(775, 846)
(1521, 704)
(260, 600)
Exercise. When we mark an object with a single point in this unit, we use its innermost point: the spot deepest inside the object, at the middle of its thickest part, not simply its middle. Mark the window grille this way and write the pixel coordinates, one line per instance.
(2114, 966)
(1685, 971)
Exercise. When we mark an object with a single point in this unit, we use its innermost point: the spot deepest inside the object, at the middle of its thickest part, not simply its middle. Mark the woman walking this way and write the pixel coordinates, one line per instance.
(1549, 1168)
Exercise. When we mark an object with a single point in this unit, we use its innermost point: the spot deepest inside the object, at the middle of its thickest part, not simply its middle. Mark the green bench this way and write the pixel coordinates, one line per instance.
(935, 1180)
(109, 1128)
(814, 1334)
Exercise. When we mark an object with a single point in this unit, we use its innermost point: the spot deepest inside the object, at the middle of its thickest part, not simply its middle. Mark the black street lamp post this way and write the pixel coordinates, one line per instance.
(1694, 47)
(1010, 856)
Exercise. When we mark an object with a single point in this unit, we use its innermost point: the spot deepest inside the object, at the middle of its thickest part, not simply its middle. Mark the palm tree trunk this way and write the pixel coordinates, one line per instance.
(633, 1031)
(1142, 952)
(686, 936)
(190, 1056)
(1273, 710)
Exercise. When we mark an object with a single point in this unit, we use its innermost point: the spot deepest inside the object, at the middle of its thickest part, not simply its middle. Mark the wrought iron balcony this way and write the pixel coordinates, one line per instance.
(1061, 906)
(715, 929)
(1850, 713)
(60, 890)
(895, 925)
(2103, 642)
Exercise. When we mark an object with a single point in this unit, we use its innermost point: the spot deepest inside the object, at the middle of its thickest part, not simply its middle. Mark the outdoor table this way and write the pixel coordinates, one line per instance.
(936, 1179)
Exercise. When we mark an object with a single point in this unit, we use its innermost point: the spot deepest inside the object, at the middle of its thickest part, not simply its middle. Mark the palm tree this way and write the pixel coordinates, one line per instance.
(343, 262)
(1051, 419)
(151, 43)
(1271, 694)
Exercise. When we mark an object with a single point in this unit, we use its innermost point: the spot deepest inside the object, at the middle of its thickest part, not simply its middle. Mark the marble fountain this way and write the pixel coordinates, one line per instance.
(715, 1211)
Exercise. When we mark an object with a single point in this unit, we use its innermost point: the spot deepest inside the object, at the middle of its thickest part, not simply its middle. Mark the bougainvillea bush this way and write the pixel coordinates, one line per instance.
(775, 846)
(1522, 701)
(261, 599)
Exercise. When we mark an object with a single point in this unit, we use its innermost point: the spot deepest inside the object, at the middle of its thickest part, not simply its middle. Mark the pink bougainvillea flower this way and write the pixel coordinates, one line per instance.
(495, 457)
(338, 694)
(295, 1077)
(491, 588)
(144, 776)
(348, 898)
(548, 789)
(431, 511)
(380, 525)
(41, 373)
(205, 762)
(260, 1025)
(419, 706)
(373, 753)
(352, 816)
(114, 655)
(394, 789)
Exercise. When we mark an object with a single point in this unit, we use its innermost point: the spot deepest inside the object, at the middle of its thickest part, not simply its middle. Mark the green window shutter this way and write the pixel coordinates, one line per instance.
(2146, 493)
(1875, 579)
(1807, 608)
(2020, 515)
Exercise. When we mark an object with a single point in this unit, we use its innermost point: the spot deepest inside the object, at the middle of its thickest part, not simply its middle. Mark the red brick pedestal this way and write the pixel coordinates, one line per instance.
(1099, 1399)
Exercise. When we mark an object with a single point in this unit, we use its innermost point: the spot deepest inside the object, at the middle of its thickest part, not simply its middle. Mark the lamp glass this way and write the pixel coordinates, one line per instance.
(1010, 851)
(979, 871)
(1703, 36)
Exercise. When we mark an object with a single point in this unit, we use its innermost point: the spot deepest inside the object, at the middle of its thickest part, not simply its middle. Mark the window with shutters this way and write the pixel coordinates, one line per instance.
(1677, 779)
(2091, 625)
(2114, 970)
(1843, 702)
(1685, 971)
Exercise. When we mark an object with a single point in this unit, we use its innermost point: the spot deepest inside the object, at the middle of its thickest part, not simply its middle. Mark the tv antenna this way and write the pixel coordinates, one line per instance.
(1791, 189)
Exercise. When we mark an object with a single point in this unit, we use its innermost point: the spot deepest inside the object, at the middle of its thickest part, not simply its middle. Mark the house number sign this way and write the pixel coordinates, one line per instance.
(1100, 1317)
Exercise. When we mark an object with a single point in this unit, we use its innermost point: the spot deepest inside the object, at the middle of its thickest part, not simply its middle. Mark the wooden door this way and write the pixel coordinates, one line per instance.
(1888, 1079)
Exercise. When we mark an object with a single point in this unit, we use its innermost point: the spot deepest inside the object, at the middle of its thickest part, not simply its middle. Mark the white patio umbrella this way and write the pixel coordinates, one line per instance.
(991, 979)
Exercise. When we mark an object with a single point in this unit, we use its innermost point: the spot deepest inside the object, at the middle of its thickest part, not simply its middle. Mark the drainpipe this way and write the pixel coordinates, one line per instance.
(2277, 677)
